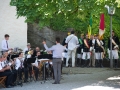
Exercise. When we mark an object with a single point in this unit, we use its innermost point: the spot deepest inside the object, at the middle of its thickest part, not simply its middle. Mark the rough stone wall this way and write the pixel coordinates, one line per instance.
(36, 36)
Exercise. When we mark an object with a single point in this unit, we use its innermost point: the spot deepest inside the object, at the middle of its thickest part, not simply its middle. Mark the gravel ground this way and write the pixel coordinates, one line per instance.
(78, 79)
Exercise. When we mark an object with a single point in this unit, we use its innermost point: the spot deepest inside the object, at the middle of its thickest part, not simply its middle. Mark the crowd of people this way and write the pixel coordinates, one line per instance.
(84, 51)
(13, 64)
(89, 50)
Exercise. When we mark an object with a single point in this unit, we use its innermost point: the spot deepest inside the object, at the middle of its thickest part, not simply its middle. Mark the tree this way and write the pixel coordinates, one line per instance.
(62, 14)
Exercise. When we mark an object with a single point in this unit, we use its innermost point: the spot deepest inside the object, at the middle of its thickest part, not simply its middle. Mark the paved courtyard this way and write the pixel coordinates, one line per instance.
(78, 79)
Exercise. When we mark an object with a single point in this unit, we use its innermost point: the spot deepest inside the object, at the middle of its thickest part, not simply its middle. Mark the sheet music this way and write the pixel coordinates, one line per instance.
(43, 59)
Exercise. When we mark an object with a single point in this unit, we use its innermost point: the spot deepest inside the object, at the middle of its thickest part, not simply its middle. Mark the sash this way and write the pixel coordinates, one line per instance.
(116, 46)
(70, 39)
(86, 43)
(80, 41)
(98, 42)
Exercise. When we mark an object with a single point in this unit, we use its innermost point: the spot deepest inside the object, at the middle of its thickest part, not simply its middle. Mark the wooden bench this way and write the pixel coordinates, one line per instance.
(2, 81)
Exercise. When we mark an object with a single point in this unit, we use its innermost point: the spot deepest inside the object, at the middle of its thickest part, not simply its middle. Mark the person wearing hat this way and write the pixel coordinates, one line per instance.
(115, 47)
(63, 43)
(65, 51)
(27, 49)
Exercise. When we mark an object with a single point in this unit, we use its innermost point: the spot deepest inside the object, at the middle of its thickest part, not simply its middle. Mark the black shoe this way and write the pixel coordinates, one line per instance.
(26, 81)
(12, 84)
(19, 83)
(67, 66)
(88, 66)
(54, 83)
(9, 86)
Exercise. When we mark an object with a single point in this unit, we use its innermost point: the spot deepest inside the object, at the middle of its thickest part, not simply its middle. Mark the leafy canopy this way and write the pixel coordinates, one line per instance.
(63, 14)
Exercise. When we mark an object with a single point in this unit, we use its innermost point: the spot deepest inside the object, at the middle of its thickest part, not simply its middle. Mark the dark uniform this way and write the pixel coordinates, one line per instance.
(114, 51)
(79, 51)
(99, 52)
(86, 53)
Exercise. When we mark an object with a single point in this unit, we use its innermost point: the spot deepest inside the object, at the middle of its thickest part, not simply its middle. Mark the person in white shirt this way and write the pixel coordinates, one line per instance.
(27, 49)
(5, 45)
(72, 42)
(5, 71)
(19, 63)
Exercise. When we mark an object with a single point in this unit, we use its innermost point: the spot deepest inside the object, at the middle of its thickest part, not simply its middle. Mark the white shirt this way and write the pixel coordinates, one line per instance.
(18, 63)
(36, 63)
(28, 56)
(5, 62)
(72, 41)
(0, 65)
(93, 41)
(4, 45)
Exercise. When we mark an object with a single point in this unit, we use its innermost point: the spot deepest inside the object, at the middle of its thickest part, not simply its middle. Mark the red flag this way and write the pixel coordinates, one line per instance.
(102, 25)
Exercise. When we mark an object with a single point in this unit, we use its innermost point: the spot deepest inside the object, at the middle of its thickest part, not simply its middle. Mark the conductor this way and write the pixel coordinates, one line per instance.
(57, 58)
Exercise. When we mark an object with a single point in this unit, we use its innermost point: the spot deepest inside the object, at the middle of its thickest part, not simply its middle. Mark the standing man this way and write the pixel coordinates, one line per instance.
(99, 49)
(72, 42)
(5, 44)
(92, 58)
(65, 51)
(115, 47)
(79, 50)
(86, 51)
(57, 58)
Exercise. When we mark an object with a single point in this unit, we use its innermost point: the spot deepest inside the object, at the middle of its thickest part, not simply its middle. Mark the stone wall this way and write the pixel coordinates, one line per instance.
(36, 36)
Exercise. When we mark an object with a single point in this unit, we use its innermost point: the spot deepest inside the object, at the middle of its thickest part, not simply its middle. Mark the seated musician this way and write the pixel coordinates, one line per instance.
(37, 49)
(27, 49)
(10, 63)
(51, 65)
(5, 71)
(20, 67)
(36, 66)
(30, 55)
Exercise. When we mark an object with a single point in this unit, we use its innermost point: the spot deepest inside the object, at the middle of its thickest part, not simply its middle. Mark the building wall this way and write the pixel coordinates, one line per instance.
(9, 24)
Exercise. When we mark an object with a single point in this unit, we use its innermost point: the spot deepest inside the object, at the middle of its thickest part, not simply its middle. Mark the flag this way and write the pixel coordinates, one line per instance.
(102, 26)
(90, 26)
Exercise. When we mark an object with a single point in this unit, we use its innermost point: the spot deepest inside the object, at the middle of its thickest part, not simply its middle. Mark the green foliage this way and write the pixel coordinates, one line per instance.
(63, 14)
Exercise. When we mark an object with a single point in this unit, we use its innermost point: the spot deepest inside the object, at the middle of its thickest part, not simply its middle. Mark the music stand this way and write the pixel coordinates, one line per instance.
(31, 60)
(40, 57)
(49, 56)
(14, 56)
(44, 56)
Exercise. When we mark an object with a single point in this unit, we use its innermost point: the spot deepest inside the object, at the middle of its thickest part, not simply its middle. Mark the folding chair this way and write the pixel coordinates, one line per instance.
(2, 81)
